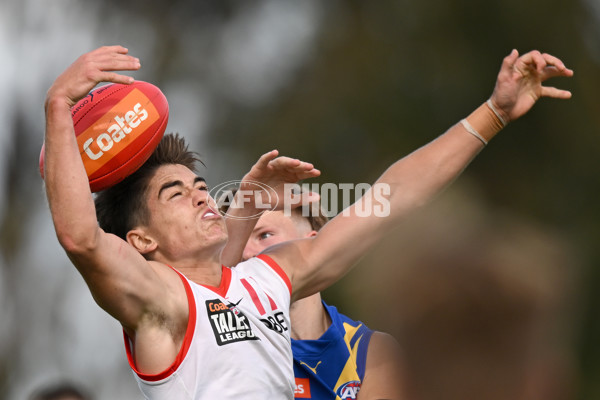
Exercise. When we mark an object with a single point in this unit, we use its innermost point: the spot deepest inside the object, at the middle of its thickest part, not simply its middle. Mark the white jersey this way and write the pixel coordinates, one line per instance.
(237, 343)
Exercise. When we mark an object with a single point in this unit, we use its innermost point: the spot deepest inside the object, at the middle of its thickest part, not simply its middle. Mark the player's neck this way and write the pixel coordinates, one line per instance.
(202, 270)
(309, 318)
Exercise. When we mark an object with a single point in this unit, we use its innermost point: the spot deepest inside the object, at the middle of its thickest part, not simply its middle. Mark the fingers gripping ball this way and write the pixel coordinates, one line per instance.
(117, 128)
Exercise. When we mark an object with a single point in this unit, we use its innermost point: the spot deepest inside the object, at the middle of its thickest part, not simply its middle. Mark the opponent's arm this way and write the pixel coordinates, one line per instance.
(118, 277)
(314, 264)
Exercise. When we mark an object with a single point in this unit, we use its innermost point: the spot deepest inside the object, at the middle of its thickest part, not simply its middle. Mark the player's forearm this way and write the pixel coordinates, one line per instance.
(239, 232)
(241, 218)
(67, 185)
(417, 178)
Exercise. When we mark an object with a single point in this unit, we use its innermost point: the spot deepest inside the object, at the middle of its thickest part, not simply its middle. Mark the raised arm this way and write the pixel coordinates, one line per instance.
(263, 186)
(67, 186)
(116, 274)
(314, 264)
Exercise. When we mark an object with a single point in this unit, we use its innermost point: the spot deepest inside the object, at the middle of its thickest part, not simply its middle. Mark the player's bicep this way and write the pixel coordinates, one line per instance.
(333, 251)
(313, 264)
(121, 281)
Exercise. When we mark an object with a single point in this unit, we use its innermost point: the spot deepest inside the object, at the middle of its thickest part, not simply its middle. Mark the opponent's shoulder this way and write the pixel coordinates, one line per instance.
(384, 356)
(384, 369)
(383, 346)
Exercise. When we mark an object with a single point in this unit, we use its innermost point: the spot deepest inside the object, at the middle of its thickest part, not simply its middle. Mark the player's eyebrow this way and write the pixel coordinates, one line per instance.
(171, 184)
(168, 185)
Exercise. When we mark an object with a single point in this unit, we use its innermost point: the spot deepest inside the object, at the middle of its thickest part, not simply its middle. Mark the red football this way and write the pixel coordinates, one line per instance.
(117, 128)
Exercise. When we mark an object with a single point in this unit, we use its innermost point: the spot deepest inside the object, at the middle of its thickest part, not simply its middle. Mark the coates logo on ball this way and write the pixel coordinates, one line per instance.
(117, 128)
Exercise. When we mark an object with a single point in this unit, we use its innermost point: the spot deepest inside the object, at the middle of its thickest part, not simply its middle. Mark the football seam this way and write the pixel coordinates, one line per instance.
(98, 102)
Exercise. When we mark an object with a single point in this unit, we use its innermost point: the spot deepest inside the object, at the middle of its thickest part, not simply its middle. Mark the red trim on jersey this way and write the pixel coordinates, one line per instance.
(254, 296)
(189, 334)
(272, 303)
(225, 281)
(271, 263)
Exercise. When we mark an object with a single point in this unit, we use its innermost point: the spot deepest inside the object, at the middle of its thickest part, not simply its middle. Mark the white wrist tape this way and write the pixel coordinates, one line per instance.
(489, 103)
(472, 131)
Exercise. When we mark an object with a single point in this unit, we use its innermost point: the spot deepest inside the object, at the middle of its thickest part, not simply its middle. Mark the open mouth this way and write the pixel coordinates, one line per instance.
(209, 214)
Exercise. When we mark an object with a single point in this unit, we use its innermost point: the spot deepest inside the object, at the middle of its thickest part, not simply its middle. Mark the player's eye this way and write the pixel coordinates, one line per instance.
(265, 235)
(174, 194)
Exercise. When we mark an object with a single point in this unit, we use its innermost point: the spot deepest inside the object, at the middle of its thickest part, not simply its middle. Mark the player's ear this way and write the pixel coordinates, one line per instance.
(143, 243)
(311, 234)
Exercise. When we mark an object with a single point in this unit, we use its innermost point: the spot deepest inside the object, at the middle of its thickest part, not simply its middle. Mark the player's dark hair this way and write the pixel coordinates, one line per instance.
(123, 206)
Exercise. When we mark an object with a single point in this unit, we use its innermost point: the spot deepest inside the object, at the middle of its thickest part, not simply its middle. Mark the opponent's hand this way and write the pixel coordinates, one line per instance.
(89, 70)
(274, 173)
(519, 83)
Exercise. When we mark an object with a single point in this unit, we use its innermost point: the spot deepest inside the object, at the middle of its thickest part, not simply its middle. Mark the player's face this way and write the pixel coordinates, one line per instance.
(182, 214)
(272, 228)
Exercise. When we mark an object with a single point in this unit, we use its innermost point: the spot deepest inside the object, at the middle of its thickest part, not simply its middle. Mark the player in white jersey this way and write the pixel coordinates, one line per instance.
(251, 305)
(167, 227)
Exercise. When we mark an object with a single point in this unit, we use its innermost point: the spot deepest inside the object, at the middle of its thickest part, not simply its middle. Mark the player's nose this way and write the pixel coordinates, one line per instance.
(249, 252)
(199, 197)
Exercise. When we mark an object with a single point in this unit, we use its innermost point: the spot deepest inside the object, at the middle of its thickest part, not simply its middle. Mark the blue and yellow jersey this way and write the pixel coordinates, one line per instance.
(333, 366)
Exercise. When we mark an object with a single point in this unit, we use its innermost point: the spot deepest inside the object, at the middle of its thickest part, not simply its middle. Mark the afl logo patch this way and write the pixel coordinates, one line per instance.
(348, 390)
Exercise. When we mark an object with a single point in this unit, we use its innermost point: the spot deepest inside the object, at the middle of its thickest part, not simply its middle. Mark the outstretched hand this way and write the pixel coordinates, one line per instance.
(89, 70)
(275, 174)
(519, 82)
